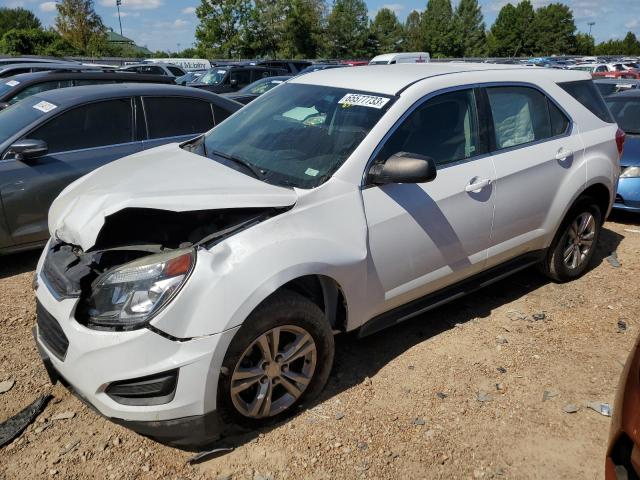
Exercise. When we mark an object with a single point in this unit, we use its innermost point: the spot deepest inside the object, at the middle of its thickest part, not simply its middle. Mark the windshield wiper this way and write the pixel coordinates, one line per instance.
(255, 171)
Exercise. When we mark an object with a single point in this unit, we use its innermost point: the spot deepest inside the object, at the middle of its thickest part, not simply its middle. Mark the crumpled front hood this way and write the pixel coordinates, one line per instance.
(165, 178)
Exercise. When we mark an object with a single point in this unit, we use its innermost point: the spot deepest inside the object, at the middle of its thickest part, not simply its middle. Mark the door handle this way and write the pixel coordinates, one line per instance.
(477, 185)
(563, 154)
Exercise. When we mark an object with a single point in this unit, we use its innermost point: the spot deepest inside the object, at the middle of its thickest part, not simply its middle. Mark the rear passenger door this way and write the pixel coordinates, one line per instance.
(536, 151)
(79, 140)
(175, 119)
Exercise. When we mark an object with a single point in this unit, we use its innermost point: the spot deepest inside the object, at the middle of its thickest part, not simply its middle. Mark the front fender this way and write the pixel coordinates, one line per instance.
(229, 281)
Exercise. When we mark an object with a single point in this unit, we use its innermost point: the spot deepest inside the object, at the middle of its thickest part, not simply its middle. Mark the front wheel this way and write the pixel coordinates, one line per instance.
(574, 245)
(281, 355)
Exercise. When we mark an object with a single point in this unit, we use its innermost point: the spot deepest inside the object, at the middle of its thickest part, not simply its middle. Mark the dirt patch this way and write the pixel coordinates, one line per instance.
(457, 393)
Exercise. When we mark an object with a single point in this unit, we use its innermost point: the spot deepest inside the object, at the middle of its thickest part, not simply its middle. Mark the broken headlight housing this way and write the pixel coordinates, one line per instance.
(128, 296)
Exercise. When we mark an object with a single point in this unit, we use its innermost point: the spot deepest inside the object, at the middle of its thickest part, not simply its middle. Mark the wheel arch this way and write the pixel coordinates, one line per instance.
(323, 291)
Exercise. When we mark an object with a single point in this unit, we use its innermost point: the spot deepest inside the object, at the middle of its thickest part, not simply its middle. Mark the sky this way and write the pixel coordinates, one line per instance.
(169, 25)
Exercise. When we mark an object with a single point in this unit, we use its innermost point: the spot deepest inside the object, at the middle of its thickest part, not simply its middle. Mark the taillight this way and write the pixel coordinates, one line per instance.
(620, 138)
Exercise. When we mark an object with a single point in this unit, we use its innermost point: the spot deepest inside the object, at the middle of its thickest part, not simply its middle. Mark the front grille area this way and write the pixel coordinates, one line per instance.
(51, 333)
(58, 263)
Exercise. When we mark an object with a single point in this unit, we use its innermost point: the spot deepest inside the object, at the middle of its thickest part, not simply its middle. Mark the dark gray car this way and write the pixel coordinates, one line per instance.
(50, 139)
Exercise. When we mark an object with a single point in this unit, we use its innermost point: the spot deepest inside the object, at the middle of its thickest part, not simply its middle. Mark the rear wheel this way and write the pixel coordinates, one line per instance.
(574, 245)
(281, 355)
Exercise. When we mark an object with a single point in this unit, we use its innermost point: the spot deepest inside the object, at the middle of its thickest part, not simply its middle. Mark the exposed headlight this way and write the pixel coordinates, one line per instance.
(630, 172)
(128, 296)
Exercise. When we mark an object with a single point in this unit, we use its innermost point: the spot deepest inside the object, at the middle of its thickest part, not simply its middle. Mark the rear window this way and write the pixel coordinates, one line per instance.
(585, 92)
(626, 111)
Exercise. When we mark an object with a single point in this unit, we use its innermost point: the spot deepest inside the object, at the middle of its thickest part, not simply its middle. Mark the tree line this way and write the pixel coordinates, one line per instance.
(312, 29)
(78, 31)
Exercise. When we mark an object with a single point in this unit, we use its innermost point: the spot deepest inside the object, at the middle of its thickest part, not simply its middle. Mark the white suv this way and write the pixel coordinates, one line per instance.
(194, 287)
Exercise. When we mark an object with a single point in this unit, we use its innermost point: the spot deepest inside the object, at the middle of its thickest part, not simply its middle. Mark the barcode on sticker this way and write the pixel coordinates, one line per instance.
(360, 100)
(45, 107)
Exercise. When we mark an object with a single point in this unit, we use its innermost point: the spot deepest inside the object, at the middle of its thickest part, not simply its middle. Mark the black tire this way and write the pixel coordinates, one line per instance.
(283, 308)
(553, 266)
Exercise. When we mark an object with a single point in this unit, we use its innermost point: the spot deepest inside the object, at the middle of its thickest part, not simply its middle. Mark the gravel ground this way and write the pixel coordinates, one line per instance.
(457, 393)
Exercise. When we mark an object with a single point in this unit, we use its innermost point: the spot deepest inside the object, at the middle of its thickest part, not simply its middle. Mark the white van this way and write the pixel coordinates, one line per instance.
(188, 64)
(409, 57)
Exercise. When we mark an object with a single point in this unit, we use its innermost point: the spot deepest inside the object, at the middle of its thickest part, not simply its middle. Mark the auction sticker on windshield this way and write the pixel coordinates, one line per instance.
(357, 99)
(45, 107)
(12, 83)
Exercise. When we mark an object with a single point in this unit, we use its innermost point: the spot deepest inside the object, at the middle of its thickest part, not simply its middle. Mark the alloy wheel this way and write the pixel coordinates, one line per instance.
(580, 237)
(273, 372)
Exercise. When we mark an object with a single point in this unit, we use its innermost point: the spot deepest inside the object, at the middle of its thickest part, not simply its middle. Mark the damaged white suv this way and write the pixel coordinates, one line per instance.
(194, 287)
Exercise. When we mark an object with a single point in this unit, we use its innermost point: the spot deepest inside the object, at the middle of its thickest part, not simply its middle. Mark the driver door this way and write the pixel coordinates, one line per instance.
(423, 237)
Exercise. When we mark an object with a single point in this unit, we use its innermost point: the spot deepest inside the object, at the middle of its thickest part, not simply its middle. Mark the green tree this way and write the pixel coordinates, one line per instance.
(437, 28)
(585, 44)
(265, 32)
(610, 47)
(630, 44)
(387, 32)
(79, 24)
(222, 31)
(510, 34)
(554, 30)
(469, 29)
(413, 32)
(347, 33)
(35, 41)
(17, 19)
(303, 29)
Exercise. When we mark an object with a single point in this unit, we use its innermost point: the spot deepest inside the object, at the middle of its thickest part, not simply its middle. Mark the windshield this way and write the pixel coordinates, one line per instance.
(215, 76)
(627, 113)
(7, 86)
(261, 86)
(18, 116)
(298, 135)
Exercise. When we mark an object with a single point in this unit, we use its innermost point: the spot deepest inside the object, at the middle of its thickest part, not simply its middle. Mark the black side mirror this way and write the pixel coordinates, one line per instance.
(4, 105)
(234, 83)
(404, 167)
(28, 149)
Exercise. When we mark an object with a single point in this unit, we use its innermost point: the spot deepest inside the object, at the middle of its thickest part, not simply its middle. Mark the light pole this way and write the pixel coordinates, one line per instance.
(118, 3)
(591, 24)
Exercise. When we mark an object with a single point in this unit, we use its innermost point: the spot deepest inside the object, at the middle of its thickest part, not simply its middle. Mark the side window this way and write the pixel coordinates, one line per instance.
(585, 92)
(519, 115)
(559, 121)
(94, 125)
(175, 116)
(220, 113)
(601, 68)
(40, 87)
(257, 74)
(242, 76)
(444, 128)
(176, 71)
